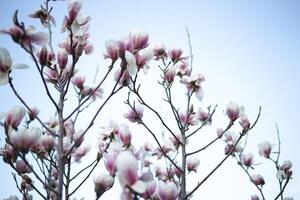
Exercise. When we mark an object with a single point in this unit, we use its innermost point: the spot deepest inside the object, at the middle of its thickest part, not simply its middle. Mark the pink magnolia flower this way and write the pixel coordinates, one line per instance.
(74, 8)
(8, 153)
(139, 40)
(247, 159)
(233, 111)
(258, 179)
(285, 170)
(166, 148)
(62, 59)
(124, 80)
(202, 115)
(193, 84)
(6, 65)
(127, 167)
(125, 135)
(27, 37)
(175, 141)
(47, 142)
(112, 50)
(159, 51)
(103, 182)
(43, 55)
(182, 68)
(244, 122)
(168, 190)
(135, 114)
(96, 93)
(25, 139)
(150, 189)
(175, 54)
(22, 167)
(80, 152)
(15, 116)
(43, 16)
(52, 75)
(231, 140)
(78, 81)
(33, 113)
(264, 149)
(67, 144)
(143, 57)
(170, 74)
(188, 119)
(78, 138)
(110, 161)
(192, 164)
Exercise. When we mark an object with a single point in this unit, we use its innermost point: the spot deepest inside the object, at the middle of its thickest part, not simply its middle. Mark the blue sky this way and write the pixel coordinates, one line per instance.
(247, 50)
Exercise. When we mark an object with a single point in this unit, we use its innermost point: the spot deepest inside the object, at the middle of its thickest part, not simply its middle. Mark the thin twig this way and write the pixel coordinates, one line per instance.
(25, 104)
(204, 123)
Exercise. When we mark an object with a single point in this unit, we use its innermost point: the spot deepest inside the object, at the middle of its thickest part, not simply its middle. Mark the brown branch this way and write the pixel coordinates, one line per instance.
(89, 96)
(25, 104)
(226, 157)
(212, 142)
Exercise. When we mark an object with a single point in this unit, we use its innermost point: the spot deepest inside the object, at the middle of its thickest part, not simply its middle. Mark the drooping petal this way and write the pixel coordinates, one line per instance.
(39, 38)
(127, 167)
(130, 59)
(5, 59)
(3, 78)
(20, 66)
(200, 93)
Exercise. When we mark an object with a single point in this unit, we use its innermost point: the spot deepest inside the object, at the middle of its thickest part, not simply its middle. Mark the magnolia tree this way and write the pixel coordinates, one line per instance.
(42, 153)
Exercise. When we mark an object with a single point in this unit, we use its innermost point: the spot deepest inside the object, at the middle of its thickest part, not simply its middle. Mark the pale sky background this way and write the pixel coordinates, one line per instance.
(247, 50)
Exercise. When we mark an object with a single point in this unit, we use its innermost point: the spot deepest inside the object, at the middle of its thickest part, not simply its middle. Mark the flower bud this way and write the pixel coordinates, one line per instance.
(62, 59)
(170, 75)
(112, 50)
(43, 56)
(102, 183)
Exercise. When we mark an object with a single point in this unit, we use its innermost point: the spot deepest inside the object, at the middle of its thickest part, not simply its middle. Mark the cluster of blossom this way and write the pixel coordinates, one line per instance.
(157, 172)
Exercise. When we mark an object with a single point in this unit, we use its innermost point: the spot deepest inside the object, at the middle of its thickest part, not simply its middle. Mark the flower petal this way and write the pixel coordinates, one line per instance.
(5, 57)
(3, 78)
(20, 66)
(39, 38)
(139, 187)
(131, 61)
